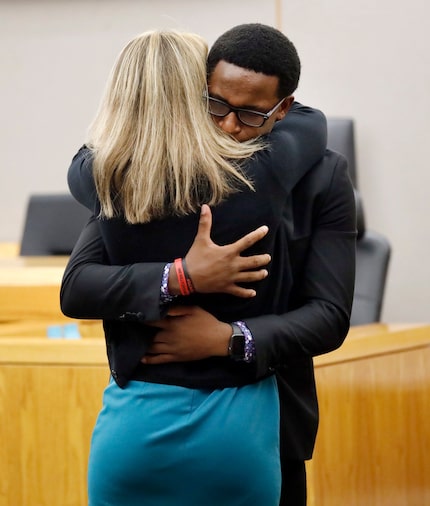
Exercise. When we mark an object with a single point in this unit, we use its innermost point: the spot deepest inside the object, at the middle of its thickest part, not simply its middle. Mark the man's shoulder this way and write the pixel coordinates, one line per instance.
(331, 170)
(300, 112)
(331, 162)
(333, 158)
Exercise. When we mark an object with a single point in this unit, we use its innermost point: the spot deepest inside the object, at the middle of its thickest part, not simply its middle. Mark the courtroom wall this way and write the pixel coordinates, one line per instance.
(369, 60)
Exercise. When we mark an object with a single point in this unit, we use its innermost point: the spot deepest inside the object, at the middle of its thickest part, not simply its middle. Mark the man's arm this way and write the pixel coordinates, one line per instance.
(92, 289)
(323, 300)
(317, 325)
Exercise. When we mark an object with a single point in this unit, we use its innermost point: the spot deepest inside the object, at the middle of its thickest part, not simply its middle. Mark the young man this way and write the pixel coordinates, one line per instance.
(253, 71)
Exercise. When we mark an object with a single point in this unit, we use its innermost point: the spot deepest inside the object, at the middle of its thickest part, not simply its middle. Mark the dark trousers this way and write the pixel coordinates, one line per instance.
(293, 483)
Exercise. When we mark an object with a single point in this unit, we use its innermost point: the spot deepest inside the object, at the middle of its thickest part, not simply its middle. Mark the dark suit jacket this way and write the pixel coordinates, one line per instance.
(305, 302)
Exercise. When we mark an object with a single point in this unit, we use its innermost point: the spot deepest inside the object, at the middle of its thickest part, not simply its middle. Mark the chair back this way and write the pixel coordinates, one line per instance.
(52, 224)
(372, 260)
(340, 138)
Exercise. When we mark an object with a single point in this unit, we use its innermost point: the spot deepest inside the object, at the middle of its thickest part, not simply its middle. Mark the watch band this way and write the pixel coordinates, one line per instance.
(236, 347)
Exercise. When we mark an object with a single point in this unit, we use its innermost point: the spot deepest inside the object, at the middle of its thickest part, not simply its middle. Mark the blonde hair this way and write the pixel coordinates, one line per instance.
(156, 151)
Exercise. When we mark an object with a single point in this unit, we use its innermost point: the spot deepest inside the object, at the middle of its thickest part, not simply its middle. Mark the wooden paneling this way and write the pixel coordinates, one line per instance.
(50, 394)
(30, 288)
(372, 446)
(30, 297)
(47, 414)
(374, 438)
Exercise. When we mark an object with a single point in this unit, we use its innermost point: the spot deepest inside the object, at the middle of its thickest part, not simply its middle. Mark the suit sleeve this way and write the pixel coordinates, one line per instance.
(93, 290)
(80, 180)
(304, 136)
(90, 287)
(320, 322)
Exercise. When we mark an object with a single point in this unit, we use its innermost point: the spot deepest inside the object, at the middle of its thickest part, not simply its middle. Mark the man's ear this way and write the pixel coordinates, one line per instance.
(284, 108)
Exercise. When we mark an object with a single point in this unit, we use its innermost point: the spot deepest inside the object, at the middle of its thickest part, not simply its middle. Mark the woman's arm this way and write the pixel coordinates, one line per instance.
(80, 179)
(304, 134)
(304, 141)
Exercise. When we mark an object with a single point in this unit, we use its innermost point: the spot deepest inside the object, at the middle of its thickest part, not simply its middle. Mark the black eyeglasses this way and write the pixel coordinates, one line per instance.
(250, 118)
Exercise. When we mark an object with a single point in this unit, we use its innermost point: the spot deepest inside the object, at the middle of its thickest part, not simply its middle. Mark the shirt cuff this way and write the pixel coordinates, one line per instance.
(249, 342)
(165, 296)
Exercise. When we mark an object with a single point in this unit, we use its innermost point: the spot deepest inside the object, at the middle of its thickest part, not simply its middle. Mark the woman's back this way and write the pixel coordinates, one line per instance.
(156, 150)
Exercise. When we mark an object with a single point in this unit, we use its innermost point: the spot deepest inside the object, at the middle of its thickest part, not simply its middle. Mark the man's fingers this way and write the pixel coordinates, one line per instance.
(250, 239)
(180, 310)
(246, 277)
(155, 323)
(243, 293)
(161, 358)
(254, 262)
(250, 276)
(205, 224)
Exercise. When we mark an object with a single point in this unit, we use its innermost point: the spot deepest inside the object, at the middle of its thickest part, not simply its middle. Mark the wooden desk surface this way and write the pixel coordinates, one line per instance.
(9, 249)
(31, 271)
(362, 342)
(30, 288)
(376, 339)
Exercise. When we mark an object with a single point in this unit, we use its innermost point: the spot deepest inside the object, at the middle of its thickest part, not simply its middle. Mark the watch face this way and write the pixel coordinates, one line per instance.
(237, 347)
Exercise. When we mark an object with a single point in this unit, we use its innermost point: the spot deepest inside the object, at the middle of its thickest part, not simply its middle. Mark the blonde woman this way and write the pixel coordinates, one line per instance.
(204, 431)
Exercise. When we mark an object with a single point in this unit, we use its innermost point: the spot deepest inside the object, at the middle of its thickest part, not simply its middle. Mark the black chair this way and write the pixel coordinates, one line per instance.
(52, 225)
(373, 249)
(372, 261)
(340, 138)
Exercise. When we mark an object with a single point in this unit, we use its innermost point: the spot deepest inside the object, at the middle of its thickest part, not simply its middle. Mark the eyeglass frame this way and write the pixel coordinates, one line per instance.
(264, 115)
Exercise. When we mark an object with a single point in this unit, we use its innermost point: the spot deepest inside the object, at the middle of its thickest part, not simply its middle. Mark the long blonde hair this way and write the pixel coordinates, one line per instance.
(156, 151)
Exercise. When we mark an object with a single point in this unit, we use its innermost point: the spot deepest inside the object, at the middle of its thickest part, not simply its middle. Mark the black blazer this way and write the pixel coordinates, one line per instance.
(305, 301)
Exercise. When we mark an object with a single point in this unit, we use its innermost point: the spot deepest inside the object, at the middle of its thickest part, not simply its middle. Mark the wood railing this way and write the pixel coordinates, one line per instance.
(373, 443)
(372, 446)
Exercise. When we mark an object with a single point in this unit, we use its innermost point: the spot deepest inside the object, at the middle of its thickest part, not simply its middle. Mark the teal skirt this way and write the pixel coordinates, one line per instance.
(164, 445)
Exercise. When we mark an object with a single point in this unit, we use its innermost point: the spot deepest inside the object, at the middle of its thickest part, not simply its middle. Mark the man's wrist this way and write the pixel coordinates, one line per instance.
(236, 345)
(249, 344)
(166, 294)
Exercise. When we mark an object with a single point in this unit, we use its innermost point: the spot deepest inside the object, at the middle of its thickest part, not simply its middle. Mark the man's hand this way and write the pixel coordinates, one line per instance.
(219, 269)
(188, 333)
